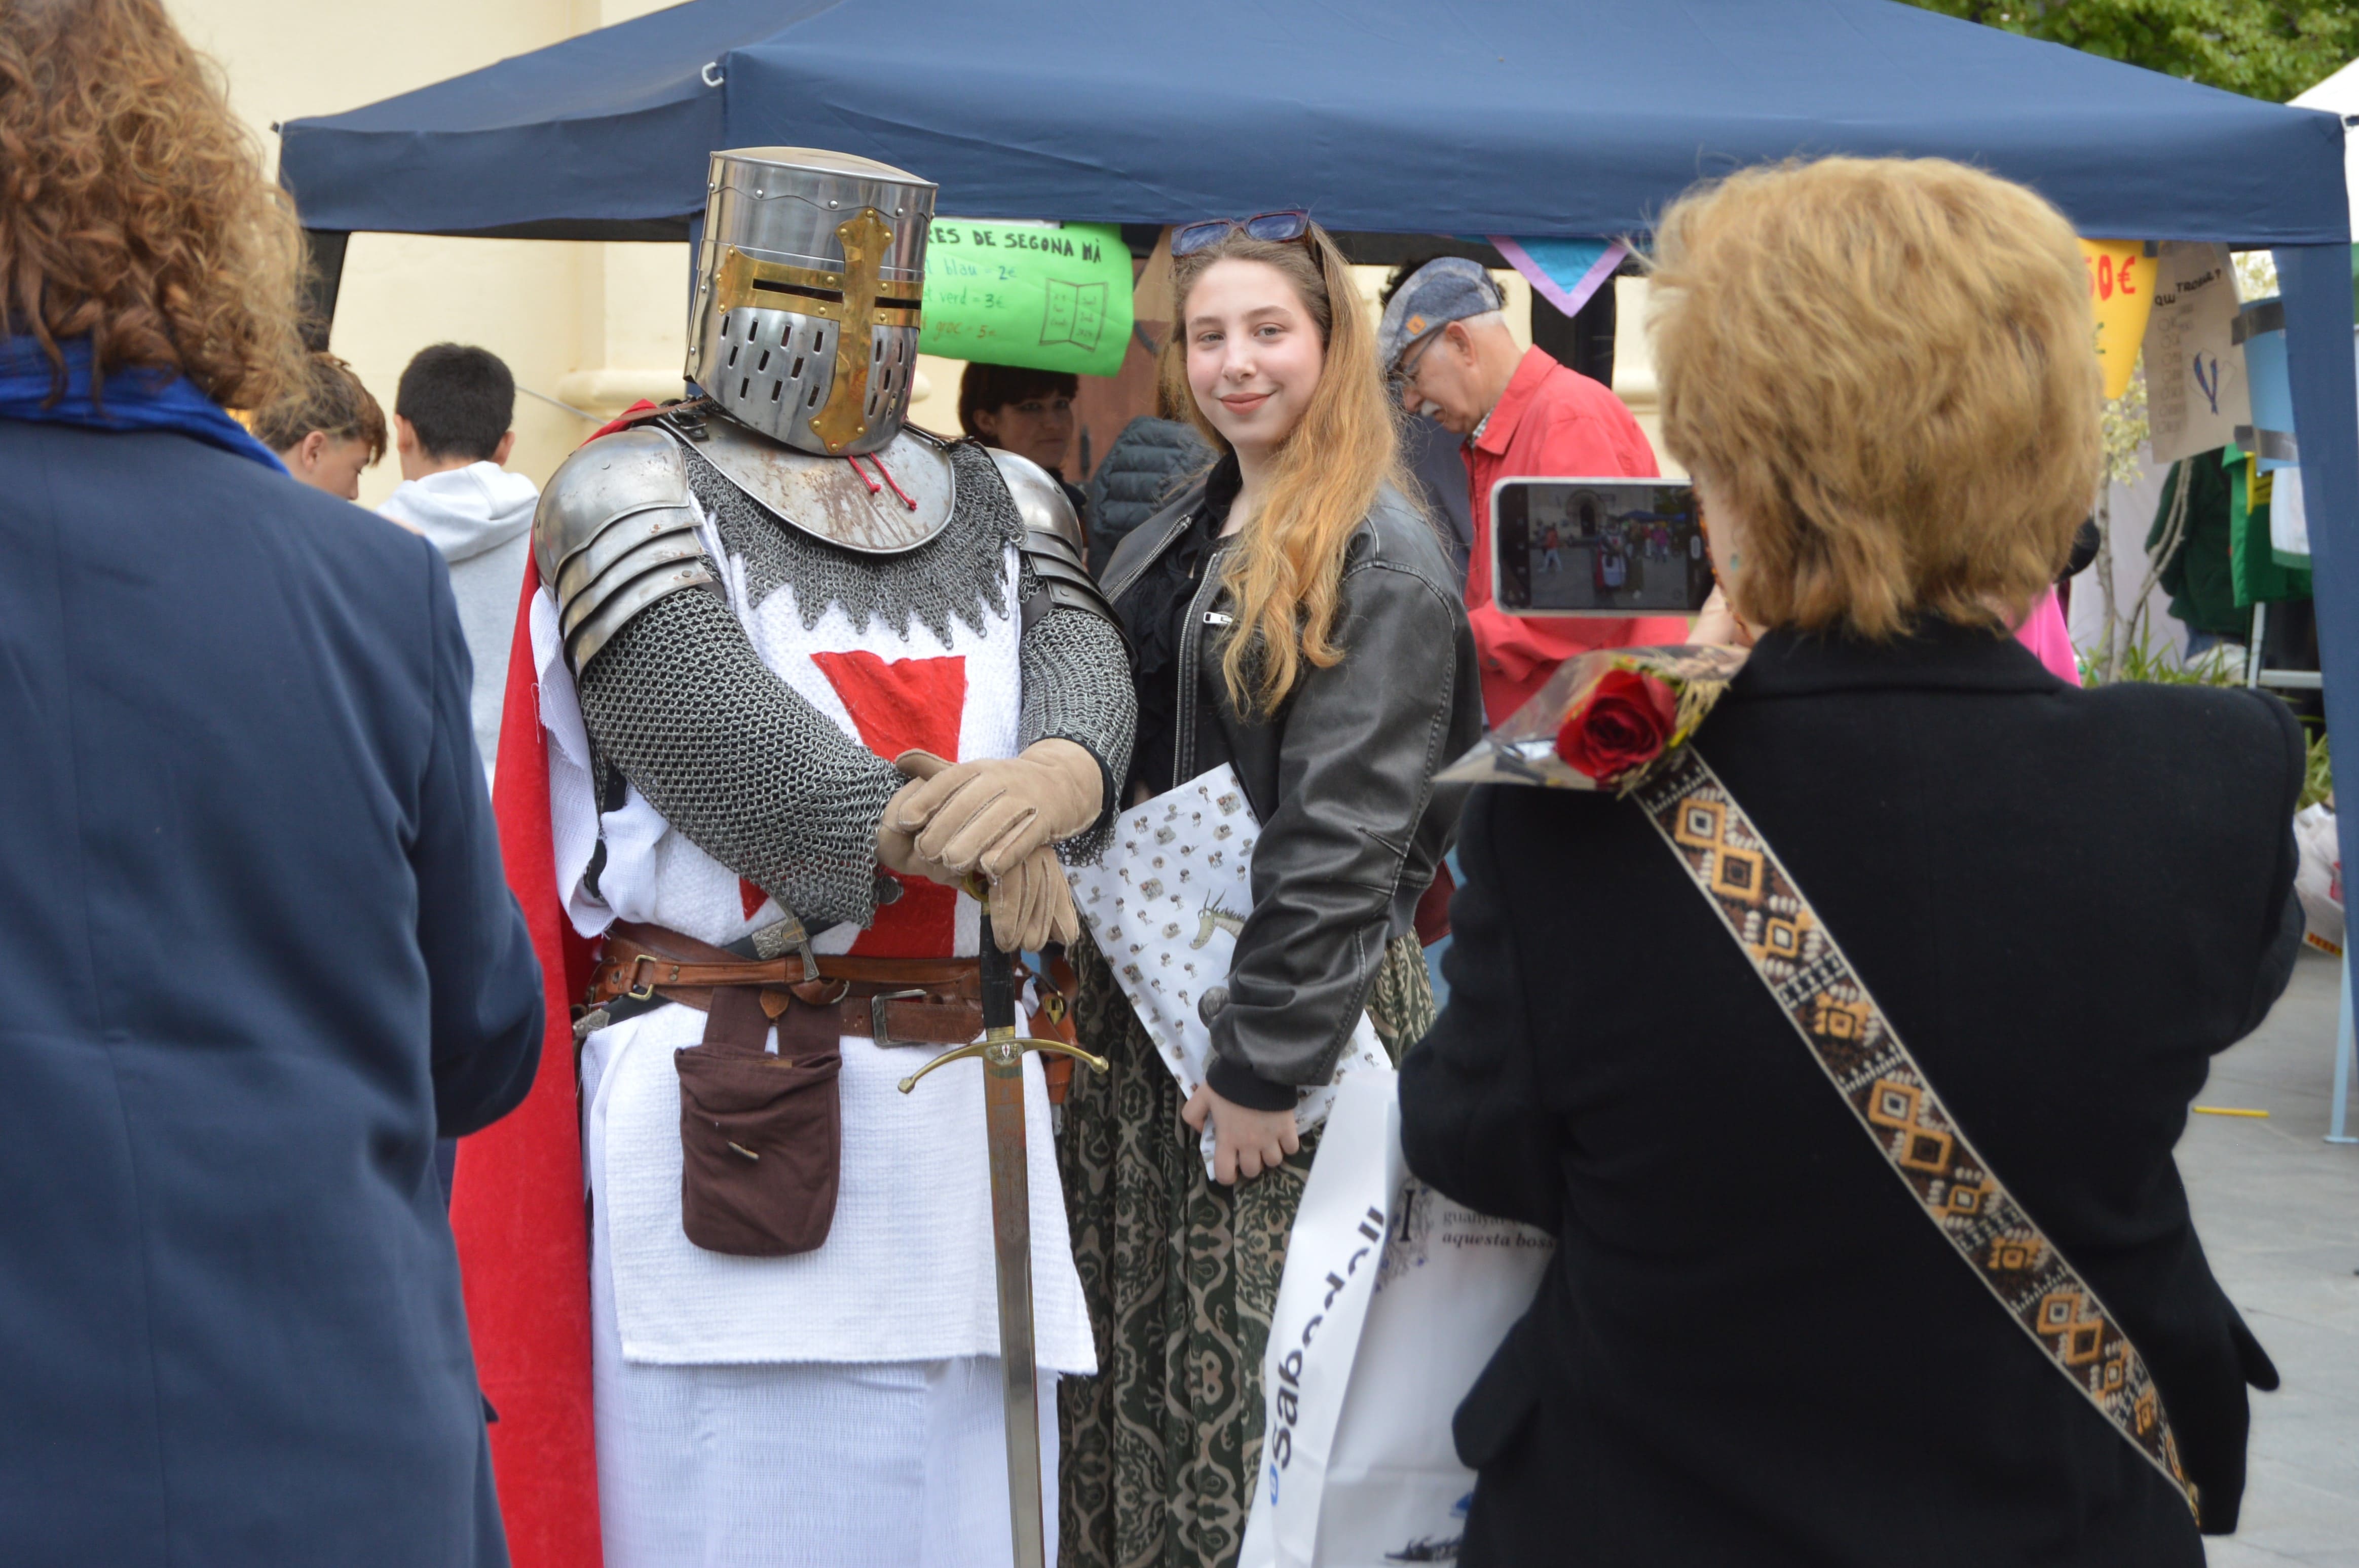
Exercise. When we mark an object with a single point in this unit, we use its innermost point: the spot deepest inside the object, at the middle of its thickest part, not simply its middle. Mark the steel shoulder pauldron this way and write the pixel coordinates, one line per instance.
(1052, 543)
(616, 530)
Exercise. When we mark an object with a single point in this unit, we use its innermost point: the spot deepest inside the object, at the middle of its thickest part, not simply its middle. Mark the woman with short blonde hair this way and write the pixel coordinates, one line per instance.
(1755, 1346)
(1927, 449)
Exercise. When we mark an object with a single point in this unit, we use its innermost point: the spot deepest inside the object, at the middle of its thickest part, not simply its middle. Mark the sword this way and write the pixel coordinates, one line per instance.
(1002, 1052)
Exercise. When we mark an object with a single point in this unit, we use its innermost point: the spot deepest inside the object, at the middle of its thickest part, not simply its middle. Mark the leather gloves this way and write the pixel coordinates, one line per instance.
(897, 851)
(991, 816)
(1031, 903)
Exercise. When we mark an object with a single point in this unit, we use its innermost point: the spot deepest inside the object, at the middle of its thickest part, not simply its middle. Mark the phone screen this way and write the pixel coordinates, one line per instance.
(1598, 547)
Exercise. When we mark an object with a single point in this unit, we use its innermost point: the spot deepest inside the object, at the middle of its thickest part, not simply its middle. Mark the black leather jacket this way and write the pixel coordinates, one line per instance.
(1341, 777)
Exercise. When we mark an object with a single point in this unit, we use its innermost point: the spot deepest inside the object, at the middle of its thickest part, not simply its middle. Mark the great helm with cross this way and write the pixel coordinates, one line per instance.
(808, 289)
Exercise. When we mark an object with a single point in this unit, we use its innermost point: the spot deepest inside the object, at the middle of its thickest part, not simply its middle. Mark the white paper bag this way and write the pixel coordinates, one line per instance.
(2318, 877)
(1372, 1347)
(1165, 902)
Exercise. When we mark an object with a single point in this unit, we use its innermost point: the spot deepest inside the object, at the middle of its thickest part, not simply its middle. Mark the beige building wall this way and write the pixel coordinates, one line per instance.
(595, 325)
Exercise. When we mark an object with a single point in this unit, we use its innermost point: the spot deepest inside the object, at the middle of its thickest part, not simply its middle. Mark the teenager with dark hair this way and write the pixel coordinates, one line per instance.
(453, 407)
(450, 416)
(1027, 412)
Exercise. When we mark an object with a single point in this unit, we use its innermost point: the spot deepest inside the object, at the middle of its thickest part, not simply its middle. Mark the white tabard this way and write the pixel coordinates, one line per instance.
(906, 1273)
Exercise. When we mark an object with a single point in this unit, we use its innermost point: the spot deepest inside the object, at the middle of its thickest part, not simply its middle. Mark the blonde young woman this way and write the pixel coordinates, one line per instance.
(1292, 615)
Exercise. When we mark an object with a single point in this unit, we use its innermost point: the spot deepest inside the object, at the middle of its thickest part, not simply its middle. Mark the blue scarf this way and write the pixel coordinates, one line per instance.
(137, 399)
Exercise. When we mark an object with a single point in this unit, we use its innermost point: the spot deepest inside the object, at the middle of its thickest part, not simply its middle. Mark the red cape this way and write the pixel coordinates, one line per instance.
(517, 1207)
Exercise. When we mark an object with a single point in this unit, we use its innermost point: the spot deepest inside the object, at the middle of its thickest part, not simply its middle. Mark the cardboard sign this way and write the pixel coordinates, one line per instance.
(1045, 296)
(2195, 388)
(2121, 286)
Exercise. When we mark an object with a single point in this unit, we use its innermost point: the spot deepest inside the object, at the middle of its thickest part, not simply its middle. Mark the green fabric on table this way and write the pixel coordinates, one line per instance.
(2259, 577)
(2199, 576)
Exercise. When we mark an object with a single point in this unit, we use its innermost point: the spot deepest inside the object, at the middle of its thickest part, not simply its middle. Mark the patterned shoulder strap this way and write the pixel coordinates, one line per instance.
(1854, 1044)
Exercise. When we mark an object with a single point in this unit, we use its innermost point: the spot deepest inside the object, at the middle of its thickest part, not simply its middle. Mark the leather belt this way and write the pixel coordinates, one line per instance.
(894, 1001)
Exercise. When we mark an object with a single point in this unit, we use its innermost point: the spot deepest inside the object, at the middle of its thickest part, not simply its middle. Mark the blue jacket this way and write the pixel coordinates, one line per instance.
(259, 952)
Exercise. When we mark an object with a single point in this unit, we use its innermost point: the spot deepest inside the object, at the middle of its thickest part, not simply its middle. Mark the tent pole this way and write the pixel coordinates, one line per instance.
(2338, 1119)
(2315, 283)
(323, 277)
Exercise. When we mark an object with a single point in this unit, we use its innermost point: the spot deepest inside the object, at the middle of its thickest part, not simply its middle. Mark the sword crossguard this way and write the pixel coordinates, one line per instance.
(1004, 1051)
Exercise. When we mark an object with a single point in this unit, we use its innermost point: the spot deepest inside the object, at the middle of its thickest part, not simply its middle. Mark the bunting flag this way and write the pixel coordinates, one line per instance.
(1565, 273)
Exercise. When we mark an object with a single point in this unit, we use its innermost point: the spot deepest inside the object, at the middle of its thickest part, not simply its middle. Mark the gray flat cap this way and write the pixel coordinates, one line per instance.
(1446, 289)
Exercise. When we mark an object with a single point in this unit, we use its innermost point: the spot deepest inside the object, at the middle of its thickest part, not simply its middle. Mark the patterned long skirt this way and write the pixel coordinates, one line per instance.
(1161, 1447)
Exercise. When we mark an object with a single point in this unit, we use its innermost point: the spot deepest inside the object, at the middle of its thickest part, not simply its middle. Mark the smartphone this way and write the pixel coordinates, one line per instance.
(1598, 547)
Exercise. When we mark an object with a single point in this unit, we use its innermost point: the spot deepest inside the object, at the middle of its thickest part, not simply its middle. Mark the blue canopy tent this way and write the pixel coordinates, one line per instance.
(1531, 118)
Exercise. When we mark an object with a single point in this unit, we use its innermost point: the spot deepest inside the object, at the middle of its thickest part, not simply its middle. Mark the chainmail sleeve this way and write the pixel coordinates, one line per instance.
(1077, 688)
(736, 760)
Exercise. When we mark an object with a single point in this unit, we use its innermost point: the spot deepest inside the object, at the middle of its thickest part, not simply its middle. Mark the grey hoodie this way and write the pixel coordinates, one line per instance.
(480, 517)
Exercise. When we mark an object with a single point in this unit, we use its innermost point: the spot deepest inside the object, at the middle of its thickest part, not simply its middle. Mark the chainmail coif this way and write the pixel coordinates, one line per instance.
(960, 571)
(736, 760)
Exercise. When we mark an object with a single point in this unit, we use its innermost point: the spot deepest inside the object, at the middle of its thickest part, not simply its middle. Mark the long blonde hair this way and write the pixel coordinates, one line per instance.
(1285, 572)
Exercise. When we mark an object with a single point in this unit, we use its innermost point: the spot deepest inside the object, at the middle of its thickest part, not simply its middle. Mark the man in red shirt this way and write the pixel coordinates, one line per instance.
(1453, 359)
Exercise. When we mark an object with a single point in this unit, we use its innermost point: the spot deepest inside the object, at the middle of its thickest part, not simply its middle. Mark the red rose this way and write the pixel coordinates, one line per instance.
(1625, 724)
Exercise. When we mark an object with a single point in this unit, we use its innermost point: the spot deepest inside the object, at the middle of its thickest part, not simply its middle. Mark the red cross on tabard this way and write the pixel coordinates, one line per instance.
(896, 707)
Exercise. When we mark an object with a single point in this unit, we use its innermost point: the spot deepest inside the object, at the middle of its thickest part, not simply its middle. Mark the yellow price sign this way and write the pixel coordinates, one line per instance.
(2121, 278)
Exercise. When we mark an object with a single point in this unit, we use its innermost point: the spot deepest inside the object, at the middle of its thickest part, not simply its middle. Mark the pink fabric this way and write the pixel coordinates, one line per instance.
(2043, 632)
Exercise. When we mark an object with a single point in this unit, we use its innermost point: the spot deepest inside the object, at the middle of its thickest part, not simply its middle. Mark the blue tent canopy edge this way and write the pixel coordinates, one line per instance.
(1543, 118)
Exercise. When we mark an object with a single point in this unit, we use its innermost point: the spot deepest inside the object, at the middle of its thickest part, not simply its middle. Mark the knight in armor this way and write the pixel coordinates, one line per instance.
(753, 605)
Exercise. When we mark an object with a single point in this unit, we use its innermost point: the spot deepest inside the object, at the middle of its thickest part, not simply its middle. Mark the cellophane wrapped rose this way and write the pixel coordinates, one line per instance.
(1605, 720)
(1625, 723)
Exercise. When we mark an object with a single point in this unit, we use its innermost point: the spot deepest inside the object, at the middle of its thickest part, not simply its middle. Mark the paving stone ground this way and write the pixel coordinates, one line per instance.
(2278, 1211)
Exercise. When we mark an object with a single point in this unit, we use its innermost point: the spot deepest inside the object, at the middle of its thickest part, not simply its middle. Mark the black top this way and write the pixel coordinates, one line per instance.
(1149, 463)
(261, 953)
(1753, 1347)
(1152, 609)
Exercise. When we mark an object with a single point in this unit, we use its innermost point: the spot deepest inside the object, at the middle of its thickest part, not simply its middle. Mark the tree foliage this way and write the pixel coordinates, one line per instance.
(2264, 48)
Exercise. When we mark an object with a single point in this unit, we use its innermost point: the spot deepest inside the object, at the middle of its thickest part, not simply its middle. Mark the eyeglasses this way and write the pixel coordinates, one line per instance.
(1405, 373)
(1276, 228)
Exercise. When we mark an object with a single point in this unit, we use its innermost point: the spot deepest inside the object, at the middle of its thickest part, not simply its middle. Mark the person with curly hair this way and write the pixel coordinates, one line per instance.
(262, 948)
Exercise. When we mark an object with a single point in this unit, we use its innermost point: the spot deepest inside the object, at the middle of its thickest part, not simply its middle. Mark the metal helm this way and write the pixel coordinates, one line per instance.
(808, 289)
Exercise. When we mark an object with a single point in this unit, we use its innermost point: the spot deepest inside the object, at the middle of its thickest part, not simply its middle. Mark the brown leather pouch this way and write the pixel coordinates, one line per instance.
(761, 1138)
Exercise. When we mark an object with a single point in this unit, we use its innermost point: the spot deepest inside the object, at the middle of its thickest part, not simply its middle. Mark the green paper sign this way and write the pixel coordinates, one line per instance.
(1043, 296)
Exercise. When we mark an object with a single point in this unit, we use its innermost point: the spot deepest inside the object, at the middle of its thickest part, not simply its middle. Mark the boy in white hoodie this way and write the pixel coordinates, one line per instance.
(450, 422)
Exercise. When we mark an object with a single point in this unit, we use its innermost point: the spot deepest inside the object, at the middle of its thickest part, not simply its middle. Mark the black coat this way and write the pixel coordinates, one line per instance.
(1149, 463)
(1753, 1347)
(259, 951)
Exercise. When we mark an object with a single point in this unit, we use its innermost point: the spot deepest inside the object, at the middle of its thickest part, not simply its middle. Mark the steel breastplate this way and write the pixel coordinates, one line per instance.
(858, 504)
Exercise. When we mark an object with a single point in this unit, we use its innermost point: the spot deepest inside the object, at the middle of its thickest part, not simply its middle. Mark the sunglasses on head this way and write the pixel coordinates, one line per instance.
(1276, 228)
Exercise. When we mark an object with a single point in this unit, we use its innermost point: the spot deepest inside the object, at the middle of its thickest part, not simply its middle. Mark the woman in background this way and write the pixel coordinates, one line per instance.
(1754, 1346)
(1027, 412)
(1292, 615)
